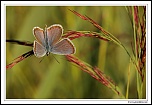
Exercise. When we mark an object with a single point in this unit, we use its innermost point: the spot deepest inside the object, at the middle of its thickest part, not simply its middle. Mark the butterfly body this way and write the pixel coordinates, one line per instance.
(47, 47)
(49, 40)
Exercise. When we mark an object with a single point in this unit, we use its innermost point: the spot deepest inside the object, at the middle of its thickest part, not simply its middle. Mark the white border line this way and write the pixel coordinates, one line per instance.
(73, 3)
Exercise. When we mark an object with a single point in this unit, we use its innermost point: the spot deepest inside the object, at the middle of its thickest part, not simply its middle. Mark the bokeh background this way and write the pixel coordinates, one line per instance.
(49, 79)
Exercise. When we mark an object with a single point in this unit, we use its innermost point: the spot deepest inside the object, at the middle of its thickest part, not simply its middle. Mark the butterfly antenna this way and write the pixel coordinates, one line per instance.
(41, 59)
(55, 59)
(45, 26)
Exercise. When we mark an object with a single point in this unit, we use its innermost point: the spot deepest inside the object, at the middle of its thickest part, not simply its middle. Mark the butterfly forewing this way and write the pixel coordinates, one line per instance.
(39, 50)
(63, 47)
(39, 35)
(54, 33)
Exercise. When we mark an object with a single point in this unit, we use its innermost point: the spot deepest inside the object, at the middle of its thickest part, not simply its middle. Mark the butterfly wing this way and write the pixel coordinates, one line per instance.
(39, 35)
(38, 49)
(63, 47)
(54, 33)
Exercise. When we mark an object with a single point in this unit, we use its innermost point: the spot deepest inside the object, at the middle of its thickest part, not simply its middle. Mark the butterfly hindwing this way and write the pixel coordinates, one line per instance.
(39, 50)
(63, 47)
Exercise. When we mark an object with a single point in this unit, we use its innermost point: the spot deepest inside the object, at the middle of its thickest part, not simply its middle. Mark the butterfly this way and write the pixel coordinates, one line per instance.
(49, 41)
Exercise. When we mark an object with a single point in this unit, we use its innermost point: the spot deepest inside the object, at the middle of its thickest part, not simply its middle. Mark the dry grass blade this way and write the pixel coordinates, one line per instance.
(95, 73)
(109, 36)
(70, 34)
(90, 20)
(77, 34)
(19, 59)
(92, 71)
(20, 42)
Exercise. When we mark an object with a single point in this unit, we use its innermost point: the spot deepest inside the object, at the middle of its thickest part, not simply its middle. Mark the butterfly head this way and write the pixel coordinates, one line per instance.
(47, 53)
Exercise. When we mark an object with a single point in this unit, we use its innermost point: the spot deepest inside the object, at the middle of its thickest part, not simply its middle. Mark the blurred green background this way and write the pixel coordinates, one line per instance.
(30, 79)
